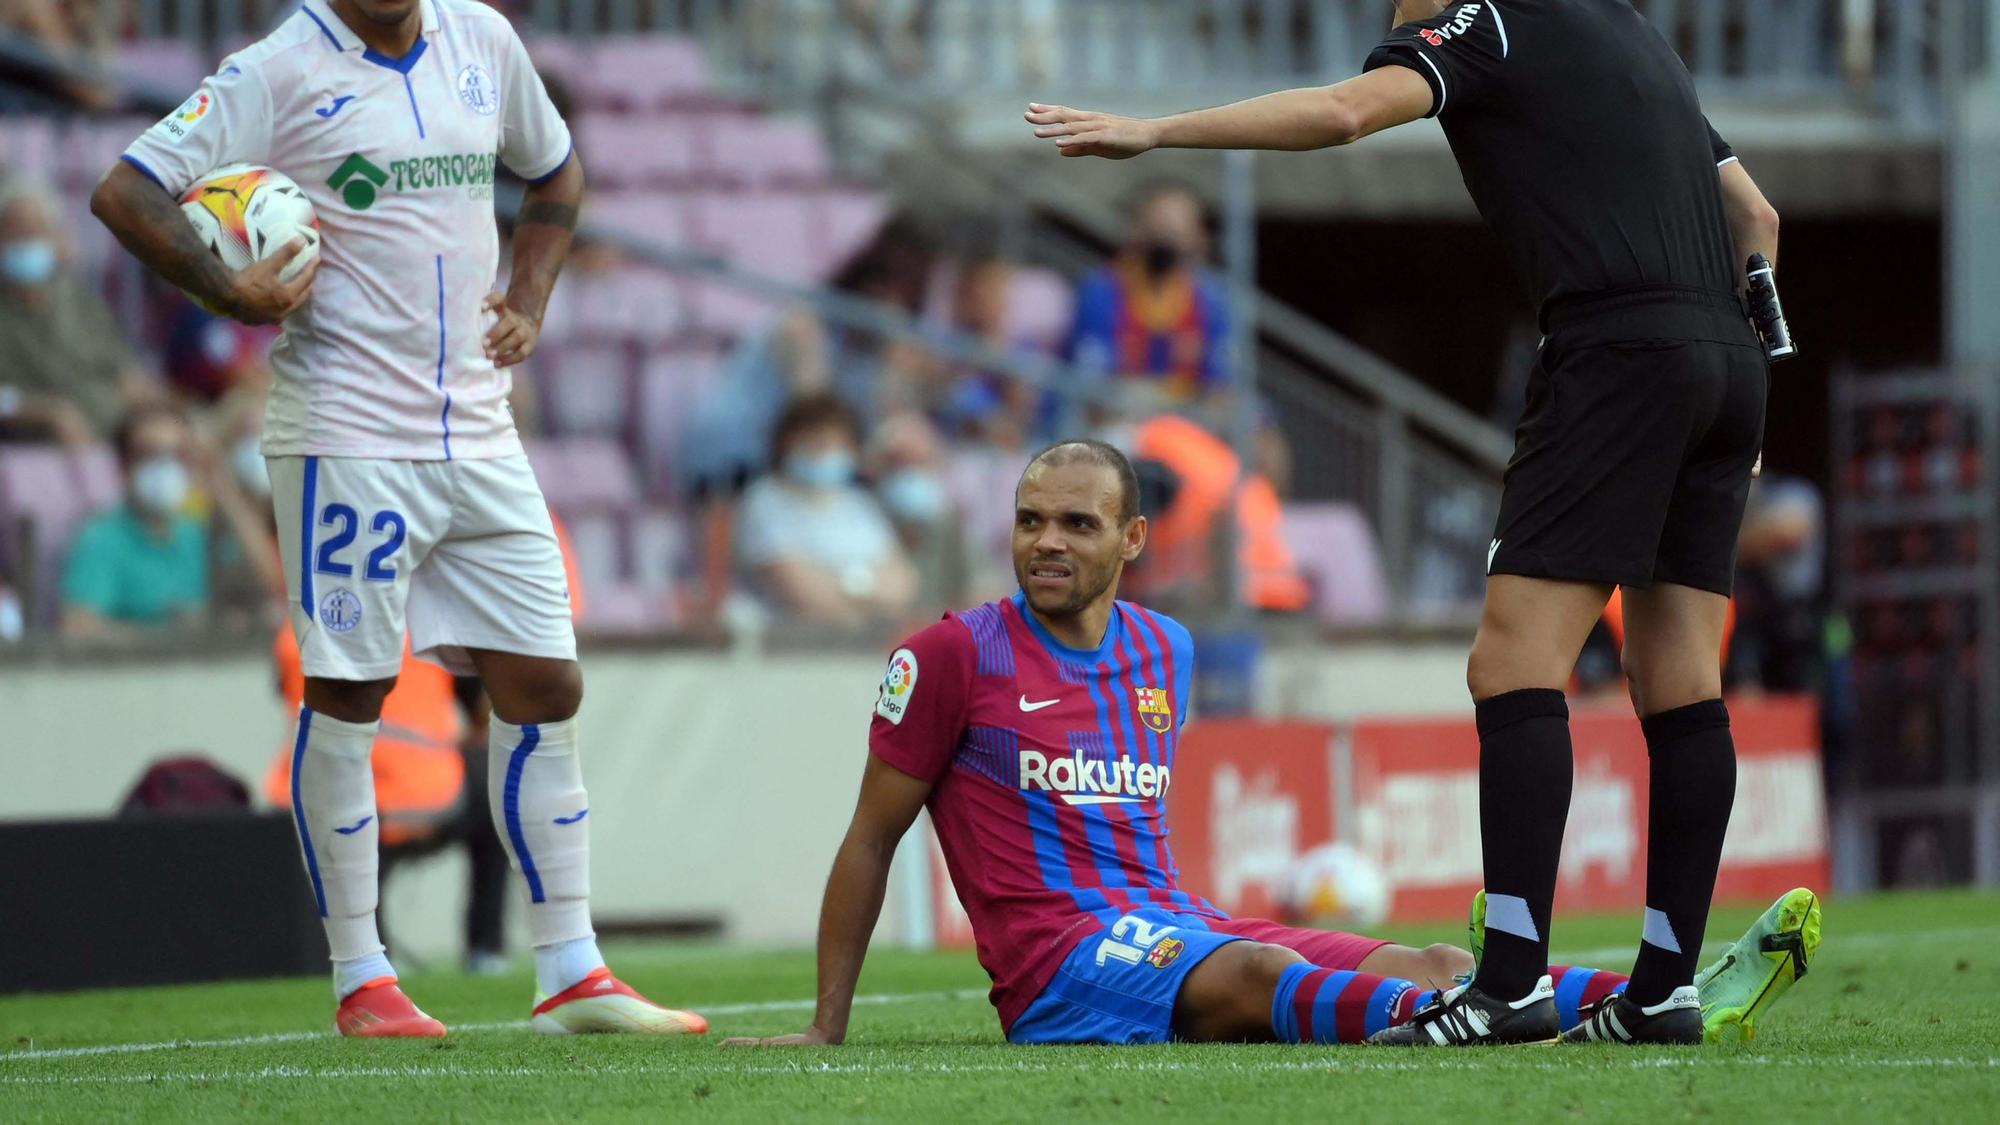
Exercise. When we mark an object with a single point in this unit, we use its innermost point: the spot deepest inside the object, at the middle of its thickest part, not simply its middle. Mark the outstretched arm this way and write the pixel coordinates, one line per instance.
(1290, 121)
(150, 225)
(890, 800)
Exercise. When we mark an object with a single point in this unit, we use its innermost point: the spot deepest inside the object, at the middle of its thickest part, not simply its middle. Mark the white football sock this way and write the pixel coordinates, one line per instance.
(563, 964)
(333, 807)
(535, 785)
(349, 976)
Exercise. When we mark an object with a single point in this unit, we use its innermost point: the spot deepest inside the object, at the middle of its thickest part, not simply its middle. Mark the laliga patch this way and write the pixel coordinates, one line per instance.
(177, 125)
(340, 610)
(892, 702)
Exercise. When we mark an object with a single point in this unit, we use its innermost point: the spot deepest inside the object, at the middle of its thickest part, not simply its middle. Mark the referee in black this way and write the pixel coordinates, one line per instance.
(1581, 140)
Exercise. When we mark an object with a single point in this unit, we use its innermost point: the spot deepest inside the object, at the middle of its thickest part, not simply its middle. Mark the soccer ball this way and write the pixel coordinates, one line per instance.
(245, 213)
(1336, 886)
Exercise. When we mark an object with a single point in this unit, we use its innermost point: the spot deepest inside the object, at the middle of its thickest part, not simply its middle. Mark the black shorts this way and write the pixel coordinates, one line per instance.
(1632, 464)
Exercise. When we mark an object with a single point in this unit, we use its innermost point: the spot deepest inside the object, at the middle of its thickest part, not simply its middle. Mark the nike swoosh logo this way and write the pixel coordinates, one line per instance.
(1027, 706)
(355, 827)
(336, 106)
(573, 819)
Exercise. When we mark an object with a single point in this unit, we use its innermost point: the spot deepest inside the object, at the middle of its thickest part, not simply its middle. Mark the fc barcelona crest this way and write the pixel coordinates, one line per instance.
(1156, 709)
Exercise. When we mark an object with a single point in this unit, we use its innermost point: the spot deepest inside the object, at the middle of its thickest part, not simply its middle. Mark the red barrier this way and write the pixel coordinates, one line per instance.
(1250, 797)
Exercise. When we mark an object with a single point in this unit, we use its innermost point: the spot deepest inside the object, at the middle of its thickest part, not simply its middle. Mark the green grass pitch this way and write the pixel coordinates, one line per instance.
(1899, 1020)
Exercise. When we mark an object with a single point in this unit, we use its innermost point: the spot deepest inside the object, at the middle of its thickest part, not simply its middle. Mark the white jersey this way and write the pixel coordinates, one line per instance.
(386, 360)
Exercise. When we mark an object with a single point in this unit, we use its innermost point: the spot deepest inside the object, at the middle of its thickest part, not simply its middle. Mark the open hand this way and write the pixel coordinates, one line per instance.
(513, 336)
(260, 294)
(810, 1037)
(1081, 132)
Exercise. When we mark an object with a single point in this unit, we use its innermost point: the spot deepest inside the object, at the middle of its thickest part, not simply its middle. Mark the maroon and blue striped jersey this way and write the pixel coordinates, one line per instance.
(1051, 768)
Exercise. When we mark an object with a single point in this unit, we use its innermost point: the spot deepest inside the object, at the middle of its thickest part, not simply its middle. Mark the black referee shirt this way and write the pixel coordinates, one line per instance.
(1579, 135)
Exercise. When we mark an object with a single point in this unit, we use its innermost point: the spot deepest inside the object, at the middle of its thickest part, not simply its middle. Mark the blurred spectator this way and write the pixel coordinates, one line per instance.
(69, 374)
(1780, 576)
(906, 460)
(208, 357)
(78, 33)
(1155, 312)
(727, 440)
(813, 543)
(145, 562)
(968, 402)
(1195, 479)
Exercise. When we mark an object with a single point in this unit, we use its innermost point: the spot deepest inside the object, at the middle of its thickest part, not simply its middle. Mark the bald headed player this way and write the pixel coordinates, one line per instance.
(1580, 138)
(1041, 733)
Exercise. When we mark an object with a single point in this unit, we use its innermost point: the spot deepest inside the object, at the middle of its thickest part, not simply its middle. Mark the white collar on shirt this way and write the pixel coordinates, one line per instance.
(322, 13)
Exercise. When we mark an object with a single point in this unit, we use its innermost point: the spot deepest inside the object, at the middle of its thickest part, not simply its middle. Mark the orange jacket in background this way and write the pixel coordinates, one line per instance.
(418, 769)
(1180, 540)
(1614, 622)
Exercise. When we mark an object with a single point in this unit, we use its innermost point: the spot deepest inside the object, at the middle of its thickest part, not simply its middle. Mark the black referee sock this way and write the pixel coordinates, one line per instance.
(1525, 774)
(1693, 780)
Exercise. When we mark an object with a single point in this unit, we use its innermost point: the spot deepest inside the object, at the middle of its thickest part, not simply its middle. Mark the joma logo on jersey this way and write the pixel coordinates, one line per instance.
(360, 181)
(1090, 781)
(1457, 27)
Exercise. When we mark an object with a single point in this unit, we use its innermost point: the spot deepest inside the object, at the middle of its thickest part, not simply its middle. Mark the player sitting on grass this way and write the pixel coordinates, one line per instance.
(1041, 731)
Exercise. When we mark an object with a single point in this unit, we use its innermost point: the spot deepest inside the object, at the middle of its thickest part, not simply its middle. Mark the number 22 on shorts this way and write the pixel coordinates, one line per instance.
(387, 524)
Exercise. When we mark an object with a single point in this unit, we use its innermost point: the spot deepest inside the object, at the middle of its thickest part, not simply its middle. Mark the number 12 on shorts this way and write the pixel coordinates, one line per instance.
(387, 524)
(1130, 939)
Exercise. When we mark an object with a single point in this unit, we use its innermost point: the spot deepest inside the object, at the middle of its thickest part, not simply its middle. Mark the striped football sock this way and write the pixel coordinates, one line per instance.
(1577, 989)
(1315, 1005)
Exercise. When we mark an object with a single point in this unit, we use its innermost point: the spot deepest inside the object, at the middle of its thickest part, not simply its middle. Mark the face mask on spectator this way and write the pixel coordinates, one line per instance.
(30, 261)
(829, 469)
(251, 472)
(914, 496)
(1162, 258)
(160, 485)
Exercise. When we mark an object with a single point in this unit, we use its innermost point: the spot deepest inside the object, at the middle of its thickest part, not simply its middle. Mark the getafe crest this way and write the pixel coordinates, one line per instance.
(1156, 709)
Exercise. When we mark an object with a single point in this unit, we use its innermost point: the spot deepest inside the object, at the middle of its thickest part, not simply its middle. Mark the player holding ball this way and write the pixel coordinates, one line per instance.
(404, 500)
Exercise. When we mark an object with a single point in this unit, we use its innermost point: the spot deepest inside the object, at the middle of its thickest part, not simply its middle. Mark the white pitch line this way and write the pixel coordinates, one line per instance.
(1837, 941)
(507, 1025)
(1862, 941)
(1031, 1060)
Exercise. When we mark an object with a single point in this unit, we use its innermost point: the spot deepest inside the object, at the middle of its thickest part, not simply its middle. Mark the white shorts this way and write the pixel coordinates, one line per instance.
(461, 553)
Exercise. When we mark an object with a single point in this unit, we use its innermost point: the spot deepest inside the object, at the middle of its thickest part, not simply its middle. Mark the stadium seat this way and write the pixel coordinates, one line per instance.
(42, 503)
(771, 152)
(659, 547)
(1041, 305)
(729, 311)
(638, 152)
(635, 304)
(671, 382)
(1337, 551)
(587, 390)
(846, 220)
(651, 215)
(616, 607)
(90, 146)
(173, 67)
(30, 148)
(556, 56)
(641, 72)
(767, 233)
(581, 476)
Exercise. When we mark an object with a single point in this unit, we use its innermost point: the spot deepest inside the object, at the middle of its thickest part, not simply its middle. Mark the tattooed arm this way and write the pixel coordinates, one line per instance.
(542, 235)
(150, 225)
